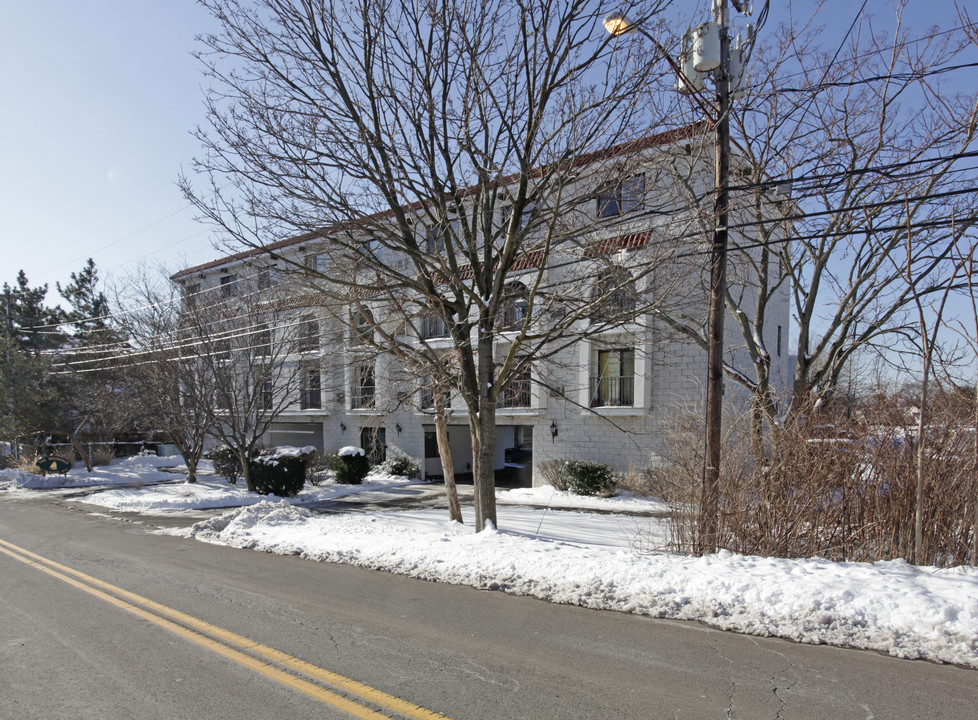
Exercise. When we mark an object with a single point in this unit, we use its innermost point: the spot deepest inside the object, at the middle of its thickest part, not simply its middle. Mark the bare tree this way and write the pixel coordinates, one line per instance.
(931, 321)
(240, 355)
(971, 272)
(441, 152)
(842, 154)
(175, 390)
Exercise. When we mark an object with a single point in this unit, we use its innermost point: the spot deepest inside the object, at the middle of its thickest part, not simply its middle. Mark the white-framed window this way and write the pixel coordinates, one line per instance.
(229, 286)
(519, 392)
(437, 237)
(622, 198)
(362, 327)
(263, 341)
(265, 395)
(313, 262)
(310, 388)
(432, 326)
(514, 309)
(526, 217)
(308, 340)
(614, 294)
(364, 390)
(612, 382)
(222, 349)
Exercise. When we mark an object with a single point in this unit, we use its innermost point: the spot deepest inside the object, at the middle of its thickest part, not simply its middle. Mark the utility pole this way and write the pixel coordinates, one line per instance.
(708, 53)
(709, 502)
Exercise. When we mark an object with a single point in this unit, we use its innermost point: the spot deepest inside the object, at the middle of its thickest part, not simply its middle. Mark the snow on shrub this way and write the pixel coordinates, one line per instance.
(401, 466)
(353, 465)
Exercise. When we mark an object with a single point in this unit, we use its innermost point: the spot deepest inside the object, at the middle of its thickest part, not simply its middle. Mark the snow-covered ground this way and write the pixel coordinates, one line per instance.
(607, 560)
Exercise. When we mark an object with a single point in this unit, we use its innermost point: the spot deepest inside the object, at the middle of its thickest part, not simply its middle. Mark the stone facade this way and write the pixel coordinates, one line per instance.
(614, 395)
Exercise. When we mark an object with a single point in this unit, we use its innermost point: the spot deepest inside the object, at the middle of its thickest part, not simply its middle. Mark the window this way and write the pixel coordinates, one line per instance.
(614, 295)
(614, 383)
(432, 326)
(436, 237)
(368, 245)
(363, 327)
(188, 392)
(364, 386)
(310, 393)
(434, 240)
(265, 395)
(263, 279)
(526, 217)
(308, 336)
(428, 398)
(263, 341)
(189, 294)
(779, 341)
(517, 393)
(515, 308)
(222, 349)
(229, 286)
(624, 197)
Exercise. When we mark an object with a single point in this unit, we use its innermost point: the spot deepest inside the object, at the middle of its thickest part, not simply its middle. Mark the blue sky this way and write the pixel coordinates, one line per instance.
(99, 99)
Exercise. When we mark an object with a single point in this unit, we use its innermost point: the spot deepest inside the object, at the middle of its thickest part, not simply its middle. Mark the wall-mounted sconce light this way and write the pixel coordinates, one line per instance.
(397, 426)
(553, 431)
(342, 427)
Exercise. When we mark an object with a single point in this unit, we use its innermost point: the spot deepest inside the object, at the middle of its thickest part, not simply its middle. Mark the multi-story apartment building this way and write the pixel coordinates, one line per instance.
(608, 386)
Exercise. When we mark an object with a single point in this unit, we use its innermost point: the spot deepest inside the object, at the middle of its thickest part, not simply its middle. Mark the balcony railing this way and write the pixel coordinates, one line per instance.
(433, 326)
(612, 391)
(517, 395)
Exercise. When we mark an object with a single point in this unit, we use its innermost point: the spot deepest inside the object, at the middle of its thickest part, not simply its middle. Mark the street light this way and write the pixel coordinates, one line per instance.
(616, 24)
(689, 73)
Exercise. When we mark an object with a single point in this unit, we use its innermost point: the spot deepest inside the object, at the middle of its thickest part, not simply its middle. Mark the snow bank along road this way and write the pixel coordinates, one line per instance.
(456, 651)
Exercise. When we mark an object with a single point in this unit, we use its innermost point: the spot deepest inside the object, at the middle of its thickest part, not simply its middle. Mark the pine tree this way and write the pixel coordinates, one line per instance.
(30, 325)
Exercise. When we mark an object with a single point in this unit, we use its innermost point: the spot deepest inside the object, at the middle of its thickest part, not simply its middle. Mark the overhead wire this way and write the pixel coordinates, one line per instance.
(781, 219)
(796, 181)
(933, 223)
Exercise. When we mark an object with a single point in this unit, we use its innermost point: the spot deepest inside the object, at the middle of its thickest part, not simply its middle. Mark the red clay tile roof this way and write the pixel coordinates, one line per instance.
(613, 244)
(622, 149)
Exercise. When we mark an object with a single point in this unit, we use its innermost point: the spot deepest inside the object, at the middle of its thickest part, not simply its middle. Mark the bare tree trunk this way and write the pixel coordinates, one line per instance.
(918, 520)
(82, 453)
(445, 453)
(974, 477)
(191, 460)
(244, 459)
(483, 468)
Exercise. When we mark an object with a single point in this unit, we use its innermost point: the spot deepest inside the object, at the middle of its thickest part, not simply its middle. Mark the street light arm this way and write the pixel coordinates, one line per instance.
(618, 24)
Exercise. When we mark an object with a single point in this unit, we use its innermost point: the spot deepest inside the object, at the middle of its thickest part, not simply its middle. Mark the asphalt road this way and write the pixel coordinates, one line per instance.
(68, 653)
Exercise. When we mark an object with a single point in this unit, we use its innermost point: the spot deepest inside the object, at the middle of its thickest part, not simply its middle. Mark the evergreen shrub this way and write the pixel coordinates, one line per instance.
(402, 466)
(226, 463)
(276, 474)
(586, 477)
(353, 466)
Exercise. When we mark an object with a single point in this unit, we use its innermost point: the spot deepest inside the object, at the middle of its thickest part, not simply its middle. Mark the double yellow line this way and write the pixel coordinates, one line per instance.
(371, 704)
